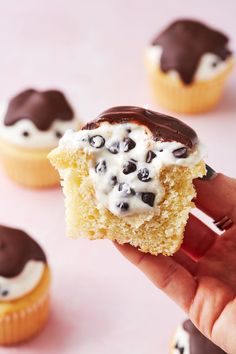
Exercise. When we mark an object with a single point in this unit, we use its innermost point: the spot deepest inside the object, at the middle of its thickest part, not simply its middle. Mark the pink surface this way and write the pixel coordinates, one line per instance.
(101, 304)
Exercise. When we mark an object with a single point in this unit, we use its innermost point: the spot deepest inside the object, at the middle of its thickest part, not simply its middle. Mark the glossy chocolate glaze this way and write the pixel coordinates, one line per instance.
(162, 127)
(184, 42)
(42, 108)
(16, 249)
(198, 343)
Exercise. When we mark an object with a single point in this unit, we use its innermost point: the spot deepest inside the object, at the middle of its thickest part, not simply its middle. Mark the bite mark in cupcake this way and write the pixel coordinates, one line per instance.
(134, 166)
(134, 183)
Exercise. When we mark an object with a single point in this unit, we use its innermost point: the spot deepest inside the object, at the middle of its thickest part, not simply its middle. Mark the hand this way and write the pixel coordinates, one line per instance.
(201, 276)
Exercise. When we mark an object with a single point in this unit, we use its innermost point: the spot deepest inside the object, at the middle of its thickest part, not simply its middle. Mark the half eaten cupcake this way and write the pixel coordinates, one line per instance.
(127, 176)
(24, 286)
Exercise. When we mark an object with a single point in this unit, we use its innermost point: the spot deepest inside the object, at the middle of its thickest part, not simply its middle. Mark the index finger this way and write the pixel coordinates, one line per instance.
(217, 197)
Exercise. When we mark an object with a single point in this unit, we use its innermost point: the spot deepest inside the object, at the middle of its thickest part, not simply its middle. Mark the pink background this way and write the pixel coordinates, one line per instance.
(94, 51)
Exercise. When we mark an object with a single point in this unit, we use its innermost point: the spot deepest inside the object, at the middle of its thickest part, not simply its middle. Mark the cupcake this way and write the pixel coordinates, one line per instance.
(188, 64)
(127, 176)
(188, 340)
(30, 126)
(24, 286)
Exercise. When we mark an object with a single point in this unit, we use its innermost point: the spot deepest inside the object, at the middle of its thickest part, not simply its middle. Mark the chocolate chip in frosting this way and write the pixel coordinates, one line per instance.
(97, 141)
(114, 148)
(126, 189)
(4, 293)
(58, 134)
(123, 206)
(143, 175)
(113, 180)
(148, 198)
(179, 348)
(101, 167)
(150, 156)
(129, 167)
(181, 153)
(214, 64)
(129, 144)
(26, 134)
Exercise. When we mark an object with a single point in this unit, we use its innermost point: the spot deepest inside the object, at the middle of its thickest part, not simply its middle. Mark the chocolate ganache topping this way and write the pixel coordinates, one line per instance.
(198, 343)
(42, 108)
(16, 249)
(184, 42)
(162, 127)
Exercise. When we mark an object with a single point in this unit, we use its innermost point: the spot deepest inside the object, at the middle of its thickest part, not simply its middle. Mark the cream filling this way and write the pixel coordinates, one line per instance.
(210, 65)
(125, 182)
(25, 134)
(23, 283)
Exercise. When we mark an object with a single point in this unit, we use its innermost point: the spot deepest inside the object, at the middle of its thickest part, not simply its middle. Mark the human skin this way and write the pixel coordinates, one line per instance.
(201, 276)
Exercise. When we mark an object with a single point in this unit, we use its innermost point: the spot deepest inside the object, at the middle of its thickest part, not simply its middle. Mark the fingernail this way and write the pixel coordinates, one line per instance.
(210, 174)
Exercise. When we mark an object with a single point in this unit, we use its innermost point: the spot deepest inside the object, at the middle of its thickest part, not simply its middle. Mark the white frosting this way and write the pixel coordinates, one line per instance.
(23, 283)
(36, 138)
(206, 68)
(109, 195)
(181, 338)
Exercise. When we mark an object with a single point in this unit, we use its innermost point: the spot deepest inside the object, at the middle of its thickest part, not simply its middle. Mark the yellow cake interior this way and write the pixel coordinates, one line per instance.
(157, 232)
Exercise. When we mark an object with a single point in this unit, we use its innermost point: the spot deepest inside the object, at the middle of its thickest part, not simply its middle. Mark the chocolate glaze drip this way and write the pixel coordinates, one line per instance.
(162, 127)
(42, 108)
(184, 42)
(198, 343)
(16, 249)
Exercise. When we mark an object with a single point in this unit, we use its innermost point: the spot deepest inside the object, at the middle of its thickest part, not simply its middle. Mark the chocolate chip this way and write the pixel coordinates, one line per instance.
(123, 206)
(150, 156)
(97, 141)
(113, 180)
(114, 148)
(181, 153)
(148, 198)
(143, 175)
(129, 167)
(129, 144)
(214, 64)
(126, 189)
(58, 134)
(25, 134)
(4, 292)
(179, 348)
(101, 168)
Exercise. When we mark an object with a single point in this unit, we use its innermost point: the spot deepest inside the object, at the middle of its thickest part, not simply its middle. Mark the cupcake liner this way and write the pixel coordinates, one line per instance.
(22, 325)
(22, 318)
(29, 167)
(198, 97)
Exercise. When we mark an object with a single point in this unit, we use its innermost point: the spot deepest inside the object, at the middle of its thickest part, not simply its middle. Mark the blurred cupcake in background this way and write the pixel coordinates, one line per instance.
(189, 340)
(30, 126)
(24, 286)
(188, 64)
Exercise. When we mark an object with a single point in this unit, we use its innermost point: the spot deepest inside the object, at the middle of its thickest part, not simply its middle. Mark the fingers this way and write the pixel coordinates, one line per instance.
(198, 238)
(165, 273)
(182, 258)
(216, 197)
